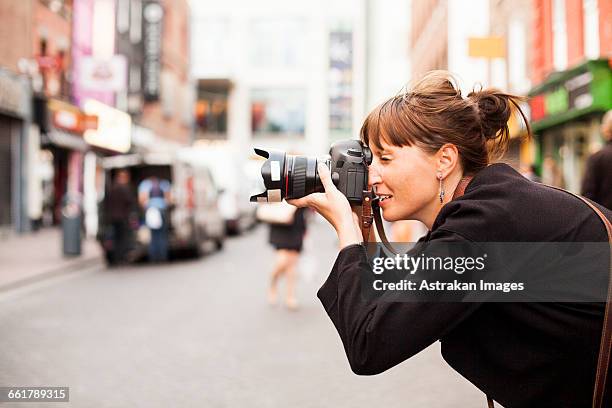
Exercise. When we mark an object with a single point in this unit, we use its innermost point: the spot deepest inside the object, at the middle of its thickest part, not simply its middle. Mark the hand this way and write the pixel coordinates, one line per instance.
(334, 207)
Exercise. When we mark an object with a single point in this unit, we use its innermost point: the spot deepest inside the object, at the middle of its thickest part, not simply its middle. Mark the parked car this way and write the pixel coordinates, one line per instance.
(195, 222)
(234, 185)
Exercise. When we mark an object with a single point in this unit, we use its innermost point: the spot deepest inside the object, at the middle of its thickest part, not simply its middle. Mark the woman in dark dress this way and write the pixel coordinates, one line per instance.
(432, 151)
(287, 240)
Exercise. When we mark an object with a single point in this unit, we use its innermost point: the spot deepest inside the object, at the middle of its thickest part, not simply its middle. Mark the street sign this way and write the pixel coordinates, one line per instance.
(487, 47)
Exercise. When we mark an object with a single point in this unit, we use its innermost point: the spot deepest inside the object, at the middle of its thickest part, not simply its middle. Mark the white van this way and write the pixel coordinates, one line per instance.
(234, 184)
(195, 221)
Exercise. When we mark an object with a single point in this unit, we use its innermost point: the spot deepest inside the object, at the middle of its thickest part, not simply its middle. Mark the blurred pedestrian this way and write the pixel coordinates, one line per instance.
(120, 209)
(288, 241)
(154, 196)
(552, 174)
(597, 183)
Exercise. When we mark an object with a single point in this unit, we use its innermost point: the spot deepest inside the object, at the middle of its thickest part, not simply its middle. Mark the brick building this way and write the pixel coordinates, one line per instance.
(168, 108)
(572, 82)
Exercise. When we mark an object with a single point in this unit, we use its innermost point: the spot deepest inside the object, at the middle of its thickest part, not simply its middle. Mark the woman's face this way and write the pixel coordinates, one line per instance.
(406, 176)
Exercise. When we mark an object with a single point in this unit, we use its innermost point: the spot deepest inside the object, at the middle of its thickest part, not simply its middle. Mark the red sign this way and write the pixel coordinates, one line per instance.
(538, 107)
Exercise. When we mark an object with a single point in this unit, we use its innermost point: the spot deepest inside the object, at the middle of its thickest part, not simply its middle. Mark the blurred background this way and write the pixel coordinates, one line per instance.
(180, 92)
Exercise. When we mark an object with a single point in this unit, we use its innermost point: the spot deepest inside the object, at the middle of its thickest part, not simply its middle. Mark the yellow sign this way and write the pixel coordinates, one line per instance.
(487, 47)
(114, 130)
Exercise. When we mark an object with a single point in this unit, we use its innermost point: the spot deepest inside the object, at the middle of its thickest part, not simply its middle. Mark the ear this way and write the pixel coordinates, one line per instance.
(447, 159)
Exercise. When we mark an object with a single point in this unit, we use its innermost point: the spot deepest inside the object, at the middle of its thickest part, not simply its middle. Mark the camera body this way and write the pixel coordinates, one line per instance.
(287, 176)
(348, 165)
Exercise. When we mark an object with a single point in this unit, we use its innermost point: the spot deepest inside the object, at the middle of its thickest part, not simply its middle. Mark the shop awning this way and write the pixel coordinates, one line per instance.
(567, 95)
(64, 139)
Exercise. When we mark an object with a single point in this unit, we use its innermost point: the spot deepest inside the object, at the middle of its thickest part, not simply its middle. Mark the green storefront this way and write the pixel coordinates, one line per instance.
(566, 112)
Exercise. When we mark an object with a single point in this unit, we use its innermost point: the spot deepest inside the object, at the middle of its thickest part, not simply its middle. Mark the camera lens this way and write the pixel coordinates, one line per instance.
(302, 177)
(287, 176)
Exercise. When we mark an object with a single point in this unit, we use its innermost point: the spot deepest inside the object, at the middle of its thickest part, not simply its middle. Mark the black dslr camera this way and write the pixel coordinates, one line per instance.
(287, 176)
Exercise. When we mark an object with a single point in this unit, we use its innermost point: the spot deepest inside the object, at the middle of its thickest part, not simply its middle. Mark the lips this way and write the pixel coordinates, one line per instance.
(383, 199)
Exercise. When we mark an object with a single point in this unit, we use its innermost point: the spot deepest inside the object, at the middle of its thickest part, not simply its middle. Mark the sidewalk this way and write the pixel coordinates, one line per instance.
(36, 255)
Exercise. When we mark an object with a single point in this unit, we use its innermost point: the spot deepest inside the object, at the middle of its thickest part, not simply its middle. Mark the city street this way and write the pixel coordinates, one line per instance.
(199, 333)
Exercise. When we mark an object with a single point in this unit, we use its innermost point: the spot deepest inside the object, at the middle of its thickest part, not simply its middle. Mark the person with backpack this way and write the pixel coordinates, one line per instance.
(154, 196)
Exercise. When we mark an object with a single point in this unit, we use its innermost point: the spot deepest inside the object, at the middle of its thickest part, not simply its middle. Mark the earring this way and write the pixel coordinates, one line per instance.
(441, 188)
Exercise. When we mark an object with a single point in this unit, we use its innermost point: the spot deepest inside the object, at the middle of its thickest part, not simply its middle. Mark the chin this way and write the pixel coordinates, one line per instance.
(390, 216)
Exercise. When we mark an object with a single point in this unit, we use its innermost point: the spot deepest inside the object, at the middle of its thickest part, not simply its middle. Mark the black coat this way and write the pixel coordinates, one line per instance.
(597, 183)
(289, 236)
(522, 354)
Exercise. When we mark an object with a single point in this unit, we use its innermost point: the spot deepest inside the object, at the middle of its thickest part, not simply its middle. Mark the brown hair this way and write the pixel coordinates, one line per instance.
(434, 113)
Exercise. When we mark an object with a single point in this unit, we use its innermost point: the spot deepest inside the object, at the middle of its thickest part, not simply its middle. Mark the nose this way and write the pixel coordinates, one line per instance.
(374, 177)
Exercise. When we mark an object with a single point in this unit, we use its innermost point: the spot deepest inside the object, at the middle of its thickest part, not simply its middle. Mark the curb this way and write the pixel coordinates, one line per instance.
(52, 273)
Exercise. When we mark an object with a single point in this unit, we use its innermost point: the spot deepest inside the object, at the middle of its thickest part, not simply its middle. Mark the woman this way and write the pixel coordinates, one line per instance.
(287, 240)
(427, 143)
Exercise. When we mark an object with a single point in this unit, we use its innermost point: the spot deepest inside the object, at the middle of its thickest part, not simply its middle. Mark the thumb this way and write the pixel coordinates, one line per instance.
(325, 177)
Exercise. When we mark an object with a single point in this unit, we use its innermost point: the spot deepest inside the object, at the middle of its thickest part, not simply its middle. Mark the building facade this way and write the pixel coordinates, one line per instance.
(15, 114)
(572, 84)
(279, 75)
(168, 91)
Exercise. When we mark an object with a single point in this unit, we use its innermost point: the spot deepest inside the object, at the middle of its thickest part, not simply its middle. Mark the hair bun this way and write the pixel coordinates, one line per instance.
(494, 110)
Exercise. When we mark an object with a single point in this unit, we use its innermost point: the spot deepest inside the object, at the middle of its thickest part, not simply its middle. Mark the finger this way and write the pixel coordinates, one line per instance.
(325, 177)
(311, 200)
(299, 202)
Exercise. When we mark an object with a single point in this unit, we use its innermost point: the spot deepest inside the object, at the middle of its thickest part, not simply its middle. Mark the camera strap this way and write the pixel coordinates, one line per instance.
(368, 202)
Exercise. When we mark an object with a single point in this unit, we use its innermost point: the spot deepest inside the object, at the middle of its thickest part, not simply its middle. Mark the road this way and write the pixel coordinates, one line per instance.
(198, 333)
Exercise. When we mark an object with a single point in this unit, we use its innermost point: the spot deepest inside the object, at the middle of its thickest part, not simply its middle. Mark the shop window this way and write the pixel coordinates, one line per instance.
(278, 112)
(211, 109)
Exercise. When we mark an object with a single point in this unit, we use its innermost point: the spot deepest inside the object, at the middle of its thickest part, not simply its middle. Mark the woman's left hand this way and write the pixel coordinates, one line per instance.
(334, 207)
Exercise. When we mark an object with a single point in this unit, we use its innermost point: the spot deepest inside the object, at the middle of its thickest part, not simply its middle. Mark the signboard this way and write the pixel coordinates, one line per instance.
(152, 14)
(567, 95)
(487, 47)
(104, 74)
(571, 94)
(114, 127)
(68, 117)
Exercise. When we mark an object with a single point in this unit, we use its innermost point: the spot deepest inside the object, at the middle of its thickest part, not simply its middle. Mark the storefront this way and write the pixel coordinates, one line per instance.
(71, 142)
(566, 112)
(61, 155)
(14, 124)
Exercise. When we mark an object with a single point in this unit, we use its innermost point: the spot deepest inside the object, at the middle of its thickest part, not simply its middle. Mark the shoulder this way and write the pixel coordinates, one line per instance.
(603, 156)
(144, 185)
(487, 199)
(164, 185)
(501, 205)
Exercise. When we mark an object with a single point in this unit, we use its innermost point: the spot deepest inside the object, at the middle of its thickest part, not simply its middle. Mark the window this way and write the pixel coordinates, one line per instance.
(211, 108)
(278, 112)
(591, 28)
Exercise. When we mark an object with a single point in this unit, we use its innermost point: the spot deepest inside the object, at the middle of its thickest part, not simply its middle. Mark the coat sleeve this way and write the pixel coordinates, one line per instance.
(589, 183)
(378, 335)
